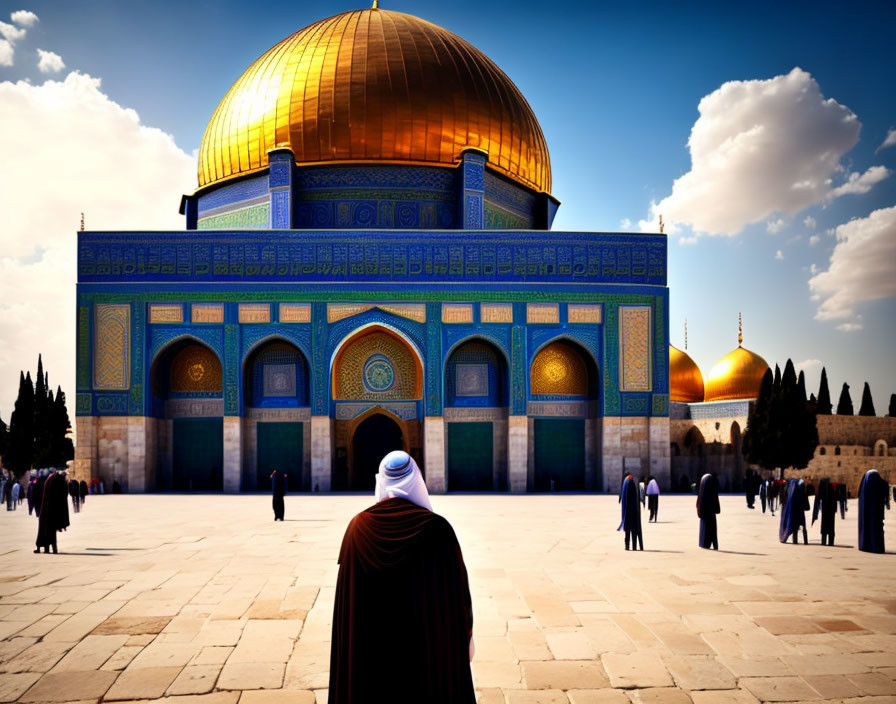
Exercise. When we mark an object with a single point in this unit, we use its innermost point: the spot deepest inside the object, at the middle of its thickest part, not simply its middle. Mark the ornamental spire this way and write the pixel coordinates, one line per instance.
(376, 5)
(740, 330)
(685, 334)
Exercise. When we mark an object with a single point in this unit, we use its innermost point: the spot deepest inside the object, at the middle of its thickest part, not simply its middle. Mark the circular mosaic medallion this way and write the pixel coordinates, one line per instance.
(196, 371)
(379, 374)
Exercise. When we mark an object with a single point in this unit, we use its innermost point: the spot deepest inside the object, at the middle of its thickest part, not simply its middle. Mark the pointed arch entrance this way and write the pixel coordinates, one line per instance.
(375, 435)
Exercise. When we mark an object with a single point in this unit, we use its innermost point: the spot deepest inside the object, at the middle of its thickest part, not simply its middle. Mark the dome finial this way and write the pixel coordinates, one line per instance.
(740, 330)
(662, 227)
(685, 333)
(376, 5)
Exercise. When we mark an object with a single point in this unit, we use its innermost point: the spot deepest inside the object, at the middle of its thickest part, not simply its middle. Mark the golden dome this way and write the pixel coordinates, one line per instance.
(374, 85)
(737, 375)
(685, 379)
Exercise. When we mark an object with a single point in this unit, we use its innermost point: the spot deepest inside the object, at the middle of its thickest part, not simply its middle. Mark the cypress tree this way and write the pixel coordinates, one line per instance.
(812, 403)
(62, 449)
(892, 411)
(20, 448)
(801, 385)
(867, 408)
(777, 377)
(4, 437)
(844, 405)
(824, 406)
(759, 435)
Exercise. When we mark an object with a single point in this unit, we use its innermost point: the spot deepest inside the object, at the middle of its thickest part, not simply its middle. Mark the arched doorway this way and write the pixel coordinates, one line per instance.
(186, 381)
(476, 396)
(374, 438)
(563, 381)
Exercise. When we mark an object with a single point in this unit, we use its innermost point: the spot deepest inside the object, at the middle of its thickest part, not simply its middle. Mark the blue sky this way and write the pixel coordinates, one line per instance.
(616, 89)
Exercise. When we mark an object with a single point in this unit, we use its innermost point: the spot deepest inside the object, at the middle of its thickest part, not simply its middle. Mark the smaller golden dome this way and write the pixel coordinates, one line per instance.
(685, 379)
(737, 375)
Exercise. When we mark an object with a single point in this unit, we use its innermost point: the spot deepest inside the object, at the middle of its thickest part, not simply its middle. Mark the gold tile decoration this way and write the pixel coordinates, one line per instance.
(255, 313)
(635, 344)
(377, 366)
(559, 369)
(374, 85)
(112, 347)
(584, 313)
(166, 313)
(295, 312)
(496, 312)
(542, 312)
(195, 369)
(207, 313)
(411, 311)
(457, 312)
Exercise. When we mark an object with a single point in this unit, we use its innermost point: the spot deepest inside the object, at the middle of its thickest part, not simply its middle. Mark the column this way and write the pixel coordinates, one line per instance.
(612, 453)
(281, 162)
(518, 453)
(472, 195)
(321, 452)
(434, 453)
(660, 460)
(141, 454)
(233, 453)
(85, 448)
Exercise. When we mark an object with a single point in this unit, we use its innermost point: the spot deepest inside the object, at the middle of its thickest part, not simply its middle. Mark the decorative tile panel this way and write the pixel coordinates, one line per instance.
(471, 380)
(542, 312)
(584, 313)
(457, 312)
(254, 313)
(279, 380)
(295, 312)
(635, 348)
(496, 313)
(411, 311)
(166, 313)
(207, 313)
(112, 347)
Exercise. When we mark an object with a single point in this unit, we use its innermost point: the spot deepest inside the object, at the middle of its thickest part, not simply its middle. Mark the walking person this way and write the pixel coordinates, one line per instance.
(763, 494)
(653, 499)
(14, 493)
(826, 504)
(874, 499)
(53, 512)
(707, 509)
(84, 491)
(278, 486)
(631, 514)
(793, 514)
(74, 490)
(7, 492)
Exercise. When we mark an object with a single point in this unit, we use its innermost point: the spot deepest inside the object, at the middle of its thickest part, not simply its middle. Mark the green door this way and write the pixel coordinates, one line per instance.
(280, 447)
(559, 454)
(470, 456)
(198, 454)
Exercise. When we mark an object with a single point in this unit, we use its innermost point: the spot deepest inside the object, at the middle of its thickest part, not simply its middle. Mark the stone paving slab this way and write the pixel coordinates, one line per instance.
(178, 599)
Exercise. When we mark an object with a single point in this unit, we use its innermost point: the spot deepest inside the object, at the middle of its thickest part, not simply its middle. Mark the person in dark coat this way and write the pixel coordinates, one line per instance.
(402, 614)
(630, 498)
(74, 490)
(53, 511)
(7, 492)
(874, 499)
(825, 503)
(84, 491)
(278, 486)
(39, 491)
(793, 514)
(707, 509)
(750, 487)
(842, 496)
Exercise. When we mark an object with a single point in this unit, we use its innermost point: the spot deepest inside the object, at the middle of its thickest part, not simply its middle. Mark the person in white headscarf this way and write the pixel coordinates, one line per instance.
(653, 499)
(402, 600)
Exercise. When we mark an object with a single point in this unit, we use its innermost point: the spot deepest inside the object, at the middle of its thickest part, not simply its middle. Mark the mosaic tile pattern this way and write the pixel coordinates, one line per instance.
(112, 347)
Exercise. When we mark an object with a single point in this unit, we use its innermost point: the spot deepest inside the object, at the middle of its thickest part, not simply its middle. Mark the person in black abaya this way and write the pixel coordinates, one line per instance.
(793, 514)
(826, 504)
(39, 492)
(402, 616)
(630, 500)
(53, 512)
(84, 490)
(707, 509)
(74, 490)
(874, 499)
(278, 486)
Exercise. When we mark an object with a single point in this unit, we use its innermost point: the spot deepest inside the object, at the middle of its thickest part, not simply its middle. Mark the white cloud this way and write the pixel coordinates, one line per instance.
(49, 62)
(850, 327)
(808, 365)
(779, 255)
(813, 269)
(889, 140)
(814, 240)
(862, 267)
(625, 223)
(759, 148)
(775, 226)
(861, 183)
(25, 18)
(809, 222)
(6, 53)
(10, 32)
(91, 155)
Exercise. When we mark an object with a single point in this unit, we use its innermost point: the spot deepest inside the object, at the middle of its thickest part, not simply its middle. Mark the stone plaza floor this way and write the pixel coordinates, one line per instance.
(205, 600)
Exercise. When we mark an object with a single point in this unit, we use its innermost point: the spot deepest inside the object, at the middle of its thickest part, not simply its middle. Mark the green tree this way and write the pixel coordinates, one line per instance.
(20, 444)
(824, 406)
(892, 411)
(801, 385)
(4, 437)
(61, 449)
(867, 407)
(759, 437)
(844, 405)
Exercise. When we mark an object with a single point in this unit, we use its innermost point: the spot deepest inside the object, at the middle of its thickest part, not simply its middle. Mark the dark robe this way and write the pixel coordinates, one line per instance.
(707, 509)
(53, 511)
(629, 498)
(278, 485)
(30, 495)
(39, 494)
(84, 491)
(403, 616)
(793, 515)
(874, 499)
(826, 504)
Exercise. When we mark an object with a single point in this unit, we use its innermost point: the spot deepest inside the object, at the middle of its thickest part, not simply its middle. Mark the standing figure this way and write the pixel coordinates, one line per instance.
(707, 509)
(7, 492)
(29, 493)
(653, 499)
(793, 514)
(39, 491)
(278, 486)
(53, 511)
(826, 503)
(750, 487)
(14, 493)
(74, 490)
(763, 493)
(629, 497)
(84, 491)
(403, 616)
(842, 496)
(874, 499)
(773, 490)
